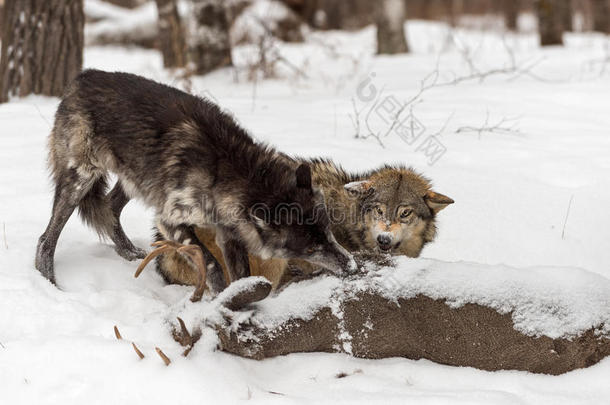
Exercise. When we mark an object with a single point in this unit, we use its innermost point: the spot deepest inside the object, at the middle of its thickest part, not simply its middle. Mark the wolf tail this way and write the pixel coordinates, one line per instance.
(95, 209)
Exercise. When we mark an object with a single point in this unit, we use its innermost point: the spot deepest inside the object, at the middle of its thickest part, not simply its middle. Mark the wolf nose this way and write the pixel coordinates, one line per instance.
(384, 241)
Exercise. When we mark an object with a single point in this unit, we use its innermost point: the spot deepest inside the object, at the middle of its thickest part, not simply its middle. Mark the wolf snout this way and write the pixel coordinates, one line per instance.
(384, 241)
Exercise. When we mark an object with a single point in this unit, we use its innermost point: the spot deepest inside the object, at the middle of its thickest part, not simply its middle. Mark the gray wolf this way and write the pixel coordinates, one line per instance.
(193, 164)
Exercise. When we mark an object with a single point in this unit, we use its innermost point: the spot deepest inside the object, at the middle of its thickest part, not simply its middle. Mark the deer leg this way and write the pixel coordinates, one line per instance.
(184, 235)
(234, 253)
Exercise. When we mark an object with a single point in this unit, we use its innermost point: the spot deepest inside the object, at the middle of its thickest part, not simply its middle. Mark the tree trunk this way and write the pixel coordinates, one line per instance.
(550, 25)
(456, 9)
(208, 42)
(171, 34)
(391, 17)
(566, 11)
(601, 16)
(511, 13)
(42, 46)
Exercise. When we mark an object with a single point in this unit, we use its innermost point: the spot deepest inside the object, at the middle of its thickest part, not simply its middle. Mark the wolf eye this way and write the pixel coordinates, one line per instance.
(406, 213)
(310, 250)
(379, 210)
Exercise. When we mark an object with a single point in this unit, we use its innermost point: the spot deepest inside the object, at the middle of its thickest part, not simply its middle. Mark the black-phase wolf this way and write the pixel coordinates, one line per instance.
(189, 161)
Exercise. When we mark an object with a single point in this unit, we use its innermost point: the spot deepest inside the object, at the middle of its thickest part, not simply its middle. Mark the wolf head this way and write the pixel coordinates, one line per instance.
(398, 210)
(296, 226)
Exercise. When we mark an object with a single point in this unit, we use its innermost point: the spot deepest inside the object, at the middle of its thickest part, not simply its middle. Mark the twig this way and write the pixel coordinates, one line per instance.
(432, 80)
(489, 128)
(603, 62)
(274, 51)
(1, 345)
(371, 133)
(563, 231)
(444, 127)
(254, 82)
(355, 119)
(42, 116)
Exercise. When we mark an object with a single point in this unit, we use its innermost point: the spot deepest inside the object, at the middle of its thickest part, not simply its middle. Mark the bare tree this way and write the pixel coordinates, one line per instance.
(510, 10)
(208, 42)
(391, 17)
(171, 34)
(1, 16)
(42, 46)
(601, 16)
(550, 24)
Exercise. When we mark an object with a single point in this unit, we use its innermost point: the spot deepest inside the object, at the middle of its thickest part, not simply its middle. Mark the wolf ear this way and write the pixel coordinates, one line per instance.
(359, 188)
(436, 201)
(304, 176)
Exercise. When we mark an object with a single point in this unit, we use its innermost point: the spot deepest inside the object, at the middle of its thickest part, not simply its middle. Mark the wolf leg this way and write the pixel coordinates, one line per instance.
(70, 189)
(234, 253)
(123, 246)
(185, 235)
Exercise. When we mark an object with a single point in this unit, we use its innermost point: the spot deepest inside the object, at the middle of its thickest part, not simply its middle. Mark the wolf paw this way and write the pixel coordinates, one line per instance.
(44, 262)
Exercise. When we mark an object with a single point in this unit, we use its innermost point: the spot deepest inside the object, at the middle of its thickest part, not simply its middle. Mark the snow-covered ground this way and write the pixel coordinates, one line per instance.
(536, 197)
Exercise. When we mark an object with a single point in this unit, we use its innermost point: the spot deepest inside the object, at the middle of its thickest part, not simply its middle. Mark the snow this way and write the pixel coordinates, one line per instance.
(116, 22)
(509, 230)
(99, 10)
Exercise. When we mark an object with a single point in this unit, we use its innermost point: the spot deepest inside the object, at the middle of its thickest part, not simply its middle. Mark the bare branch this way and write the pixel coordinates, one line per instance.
(513, 70)
(563, 231)
(444, 127)
(498, 127)
(602, 62)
